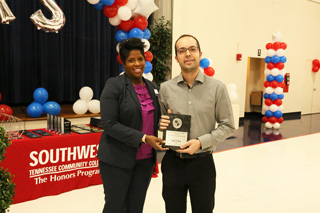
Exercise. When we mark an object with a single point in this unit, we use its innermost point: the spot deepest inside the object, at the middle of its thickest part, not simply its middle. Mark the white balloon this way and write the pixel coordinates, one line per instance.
(86, 93)
(267, 72)
(269, 90)
(276, 132)
(148, 76)
(118, 47)
(268, 131)
(275, 71)
(280, 108)
(280, 52)
(232, 87)
(278, 90)
(276, 125)
(80, 107)
(266, 107)
(94, 106)
(146, 8)
(233, 96)
(210, 61)
(124, 13)
(268, 125)
(146, 43)
(115, 21)
(282, 72)
(271, 52)
(132, 4)
(273, 107)
(93, 1)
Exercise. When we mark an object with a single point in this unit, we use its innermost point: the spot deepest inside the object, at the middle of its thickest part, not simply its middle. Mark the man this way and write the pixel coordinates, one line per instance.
(191, 168)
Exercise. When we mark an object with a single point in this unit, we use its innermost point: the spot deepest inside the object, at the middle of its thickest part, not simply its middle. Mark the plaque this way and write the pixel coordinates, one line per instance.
(178, 131)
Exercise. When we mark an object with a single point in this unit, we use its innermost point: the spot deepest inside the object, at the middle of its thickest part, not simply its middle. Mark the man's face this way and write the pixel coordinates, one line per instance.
(188, 54)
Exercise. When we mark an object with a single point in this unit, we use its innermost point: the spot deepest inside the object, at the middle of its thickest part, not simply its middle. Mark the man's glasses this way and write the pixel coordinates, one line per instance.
(191, 49)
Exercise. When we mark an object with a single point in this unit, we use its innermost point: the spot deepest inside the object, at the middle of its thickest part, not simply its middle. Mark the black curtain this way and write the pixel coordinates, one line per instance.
(82, 53)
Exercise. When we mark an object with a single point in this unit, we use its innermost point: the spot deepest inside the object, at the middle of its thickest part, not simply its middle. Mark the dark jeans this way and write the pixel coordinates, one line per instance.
(125, 189)
(198, 175)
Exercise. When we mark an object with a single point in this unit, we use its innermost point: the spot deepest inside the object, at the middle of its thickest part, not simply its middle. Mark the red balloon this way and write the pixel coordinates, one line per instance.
(277, 102)
(280, 120)
(272, 119)
(119, 59)
(120, 2)
(266, 84)
(148, 55)
(270, 65)
(315, 62)
(282, 84)
(268, 46)
(265, 119)
(209, 71)
(110, 11)
(5, 109)
(276, 45)
(268, 102)
(127, 25)
(280, 65)
(141, 22)
(274, 84)
(283, 45)
(315, 69)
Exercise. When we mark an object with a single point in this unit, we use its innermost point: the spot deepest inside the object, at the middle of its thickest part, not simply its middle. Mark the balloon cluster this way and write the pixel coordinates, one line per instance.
(274, 83)
(85, 103)
(5, 111)
(205, 64)
(271, 135)
(315, 65)
(40, 104)
(130, 18)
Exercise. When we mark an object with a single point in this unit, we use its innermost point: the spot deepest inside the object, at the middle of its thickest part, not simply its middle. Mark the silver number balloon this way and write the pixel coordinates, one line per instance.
(54, 24)
(5, 13)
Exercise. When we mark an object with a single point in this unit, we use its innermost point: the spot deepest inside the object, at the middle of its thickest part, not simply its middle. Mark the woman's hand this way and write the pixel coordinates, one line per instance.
(155, 142)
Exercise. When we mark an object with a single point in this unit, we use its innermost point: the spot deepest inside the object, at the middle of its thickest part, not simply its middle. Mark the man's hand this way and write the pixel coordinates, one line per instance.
(155, 142)
(164, 121)
(190, 147)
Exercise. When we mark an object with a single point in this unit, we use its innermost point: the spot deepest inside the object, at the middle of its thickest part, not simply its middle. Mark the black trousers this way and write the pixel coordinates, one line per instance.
(196, 175)
(125, 189)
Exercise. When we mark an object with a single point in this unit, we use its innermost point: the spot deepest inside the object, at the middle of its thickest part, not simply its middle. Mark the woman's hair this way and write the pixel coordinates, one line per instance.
(130, 44)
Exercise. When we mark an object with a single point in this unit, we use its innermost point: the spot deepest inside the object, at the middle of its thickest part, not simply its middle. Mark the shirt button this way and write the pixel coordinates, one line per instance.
(189, 102)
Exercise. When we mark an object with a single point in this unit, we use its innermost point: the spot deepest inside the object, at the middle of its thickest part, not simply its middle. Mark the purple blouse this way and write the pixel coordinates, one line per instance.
(147, 108)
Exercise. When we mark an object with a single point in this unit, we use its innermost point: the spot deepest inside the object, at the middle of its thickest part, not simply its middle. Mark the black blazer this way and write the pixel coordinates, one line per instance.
(122, 121)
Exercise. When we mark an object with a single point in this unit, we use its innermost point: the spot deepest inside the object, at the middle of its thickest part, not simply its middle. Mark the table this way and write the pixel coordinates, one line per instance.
(53, 164)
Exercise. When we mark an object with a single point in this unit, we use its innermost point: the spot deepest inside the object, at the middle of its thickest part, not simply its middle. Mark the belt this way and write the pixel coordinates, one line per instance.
(197, 155)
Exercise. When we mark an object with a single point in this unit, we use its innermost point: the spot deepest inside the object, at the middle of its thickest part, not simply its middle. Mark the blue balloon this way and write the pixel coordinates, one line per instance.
(270, 78)
(146, 33)
(281, 96)
(136, 33)
(273, 96)
(266, 96)
(283, 59)
(40, 95)
(277, 114)
(148, 67)
(275, 59)
(279, 78)
(35, 110)
(267, 59)
(269, 113)
(121, 68)
(204, 63)
(51, 108)
(107, 2)
(99, 6)
(121, 35)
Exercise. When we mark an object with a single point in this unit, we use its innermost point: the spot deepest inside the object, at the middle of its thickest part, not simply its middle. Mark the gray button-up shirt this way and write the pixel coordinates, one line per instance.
(208, 103)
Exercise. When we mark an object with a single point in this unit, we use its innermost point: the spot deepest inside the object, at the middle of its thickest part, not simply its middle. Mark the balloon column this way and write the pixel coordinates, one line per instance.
(36, 108)
(205, 64)
(85, 103)
(271, 135)
(131, 19)
(315, 65)
(274, 83)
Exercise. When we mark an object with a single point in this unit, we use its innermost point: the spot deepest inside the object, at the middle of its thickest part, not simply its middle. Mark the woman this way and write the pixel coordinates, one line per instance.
(130, 114)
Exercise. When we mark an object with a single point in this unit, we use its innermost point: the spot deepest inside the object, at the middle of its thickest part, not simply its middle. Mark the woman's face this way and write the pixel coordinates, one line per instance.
(134, 66)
